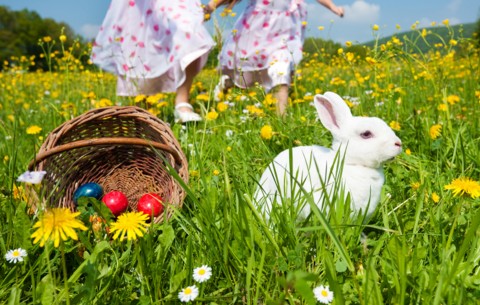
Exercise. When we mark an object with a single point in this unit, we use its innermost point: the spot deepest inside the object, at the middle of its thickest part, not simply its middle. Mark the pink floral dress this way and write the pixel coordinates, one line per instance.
(149, 43)
(266, 43)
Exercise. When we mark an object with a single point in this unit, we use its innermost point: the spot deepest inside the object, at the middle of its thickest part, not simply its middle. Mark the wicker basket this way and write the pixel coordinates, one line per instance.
(120, 148)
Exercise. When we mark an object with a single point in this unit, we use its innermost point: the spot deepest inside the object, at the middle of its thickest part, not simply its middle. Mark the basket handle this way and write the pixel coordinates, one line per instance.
(103, 141)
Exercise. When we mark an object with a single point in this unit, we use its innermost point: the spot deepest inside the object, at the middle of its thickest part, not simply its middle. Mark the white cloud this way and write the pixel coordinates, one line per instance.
(354, 26)
(362, 12)
(89, 31)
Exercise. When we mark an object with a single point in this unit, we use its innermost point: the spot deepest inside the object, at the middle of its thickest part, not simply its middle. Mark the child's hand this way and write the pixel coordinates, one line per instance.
(338, 10)
(207, 12)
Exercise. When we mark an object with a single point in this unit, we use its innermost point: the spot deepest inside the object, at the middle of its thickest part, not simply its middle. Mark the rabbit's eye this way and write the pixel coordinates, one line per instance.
(366, 134)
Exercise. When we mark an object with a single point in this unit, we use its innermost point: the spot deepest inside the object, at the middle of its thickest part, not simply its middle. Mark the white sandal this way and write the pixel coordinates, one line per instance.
(185, 116)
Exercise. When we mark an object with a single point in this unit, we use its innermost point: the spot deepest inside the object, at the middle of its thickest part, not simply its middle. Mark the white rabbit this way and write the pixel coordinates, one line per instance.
(362, 143)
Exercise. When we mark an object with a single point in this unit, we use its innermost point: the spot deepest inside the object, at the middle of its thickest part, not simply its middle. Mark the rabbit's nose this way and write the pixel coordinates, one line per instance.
(398, 143)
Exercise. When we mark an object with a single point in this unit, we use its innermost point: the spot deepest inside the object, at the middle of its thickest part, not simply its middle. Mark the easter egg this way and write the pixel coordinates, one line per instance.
(116, 201)
(90, 189)
(150, 203)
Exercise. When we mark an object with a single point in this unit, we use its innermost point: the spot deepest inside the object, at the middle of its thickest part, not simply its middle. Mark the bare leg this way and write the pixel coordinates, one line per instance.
(183, 92)
(281, 94)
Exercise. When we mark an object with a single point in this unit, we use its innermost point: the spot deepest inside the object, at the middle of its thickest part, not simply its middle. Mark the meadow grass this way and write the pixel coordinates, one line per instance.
(422, 246)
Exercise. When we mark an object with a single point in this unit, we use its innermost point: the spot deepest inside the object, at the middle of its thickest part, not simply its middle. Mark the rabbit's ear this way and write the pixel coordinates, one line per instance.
(332, 111)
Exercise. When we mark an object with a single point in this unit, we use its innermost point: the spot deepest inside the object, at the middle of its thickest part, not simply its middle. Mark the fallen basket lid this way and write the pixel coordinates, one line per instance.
(121, 148)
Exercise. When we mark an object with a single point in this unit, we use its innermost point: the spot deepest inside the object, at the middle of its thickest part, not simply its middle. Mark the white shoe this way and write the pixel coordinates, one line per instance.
(220, 88)
(185, 116)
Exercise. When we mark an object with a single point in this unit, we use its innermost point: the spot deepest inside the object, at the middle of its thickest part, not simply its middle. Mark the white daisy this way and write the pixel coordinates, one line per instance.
(188, 294)
(323, 294)
(32, 177)
(15, 255)
(202, 274)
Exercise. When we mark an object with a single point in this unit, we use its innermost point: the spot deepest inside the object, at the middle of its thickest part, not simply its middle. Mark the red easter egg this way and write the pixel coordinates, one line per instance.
(150, 203)
(116, 201)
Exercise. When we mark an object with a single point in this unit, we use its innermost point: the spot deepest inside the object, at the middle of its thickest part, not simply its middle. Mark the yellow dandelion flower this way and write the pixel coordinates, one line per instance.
(266, 132)
(340, 51)
(350, 56)
(453, 99)
(453, 42)
(464, 186)
(435, 197)
(104, 102)
(216, 172)
(203, 97)
(435, 131)
(442, 107)
(270, 100)
(140, 98)
(370, 60)
(348, 43)
(396, 41)
(321, 28)
(56, 224)
(34, 129)
(162, 104)
(375, 27)
(254, 110)
(212, 115)
(408, 151)
(19, 193)
(221, 107)
(446, 22)
(132, 224)
(395, 125)
(47, 39)
(153, 99)
(63, 38)
(415, 185)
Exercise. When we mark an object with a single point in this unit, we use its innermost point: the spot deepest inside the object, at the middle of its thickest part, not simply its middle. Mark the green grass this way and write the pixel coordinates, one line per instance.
(417, 251)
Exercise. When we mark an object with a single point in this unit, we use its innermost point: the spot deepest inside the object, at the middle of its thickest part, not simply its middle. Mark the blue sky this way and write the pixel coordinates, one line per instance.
(85, 16)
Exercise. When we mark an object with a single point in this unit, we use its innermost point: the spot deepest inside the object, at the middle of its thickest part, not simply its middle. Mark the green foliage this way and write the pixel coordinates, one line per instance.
(476, 33)
(20, 33)
(318, 45)
(433, 35)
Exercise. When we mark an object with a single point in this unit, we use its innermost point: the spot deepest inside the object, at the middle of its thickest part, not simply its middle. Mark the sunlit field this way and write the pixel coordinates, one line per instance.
(422, 246)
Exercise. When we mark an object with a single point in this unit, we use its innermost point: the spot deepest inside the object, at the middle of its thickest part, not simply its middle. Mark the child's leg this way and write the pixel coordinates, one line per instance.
(183, 109)
(183, 92)
(281, 94)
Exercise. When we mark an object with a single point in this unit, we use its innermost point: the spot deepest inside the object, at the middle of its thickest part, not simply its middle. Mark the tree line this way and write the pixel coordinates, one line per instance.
(21, 32)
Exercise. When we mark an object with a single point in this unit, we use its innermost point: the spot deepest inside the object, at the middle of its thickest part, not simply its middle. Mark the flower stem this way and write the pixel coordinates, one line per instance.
(65, 275)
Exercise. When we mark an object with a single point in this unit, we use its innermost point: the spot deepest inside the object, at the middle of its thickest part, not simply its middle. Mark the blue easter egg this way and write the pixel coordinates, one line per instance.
(90, 189)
